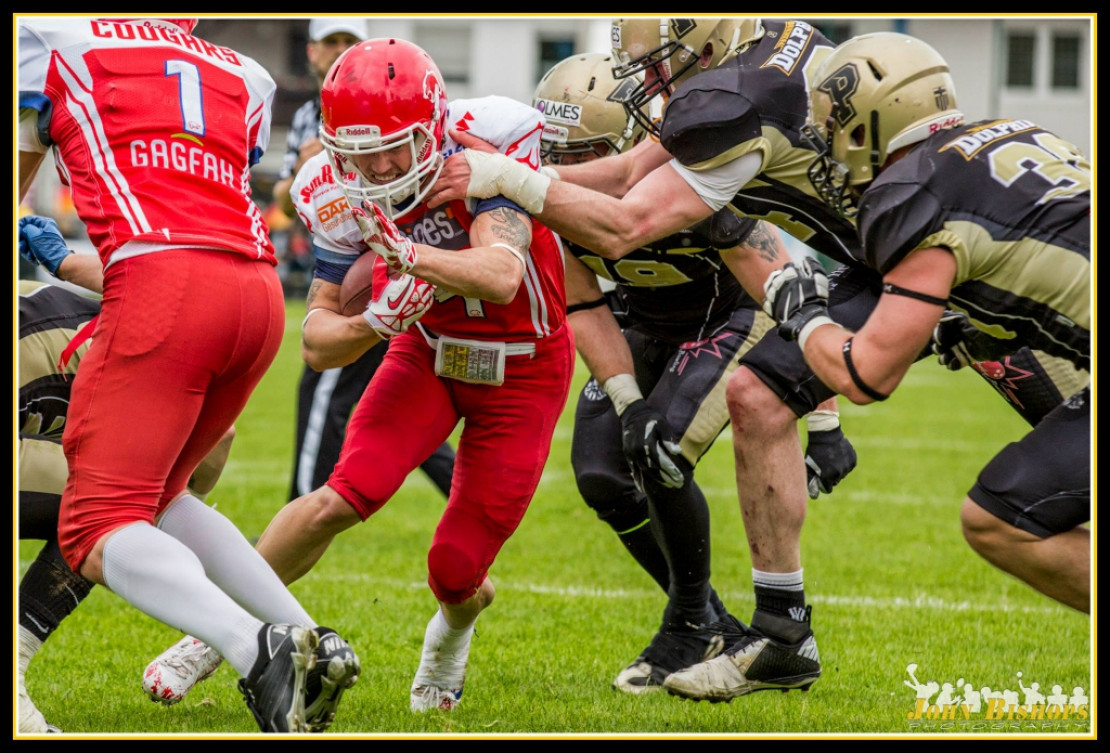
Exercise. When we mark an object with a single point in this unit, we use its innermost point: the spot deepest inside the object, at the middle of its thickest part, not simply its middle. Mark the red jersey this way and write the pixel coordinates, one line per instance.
(153, 129)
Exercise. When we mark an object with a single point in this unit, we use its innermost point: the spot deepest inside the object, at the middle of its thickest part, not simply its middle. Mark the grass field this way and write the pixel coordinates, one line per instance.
(890, 578)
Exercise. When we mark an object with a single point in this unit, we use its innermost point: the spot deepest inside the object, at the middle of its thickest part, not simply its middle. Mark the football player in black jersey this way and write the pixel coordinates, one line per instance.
(49, 318)
(991, 219)
(686, 322)
(734, 127)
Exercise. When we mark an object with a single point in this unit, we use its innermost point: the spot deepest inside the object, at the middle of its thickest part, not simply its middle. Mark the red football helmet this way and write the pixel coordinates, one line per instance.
(379, 95)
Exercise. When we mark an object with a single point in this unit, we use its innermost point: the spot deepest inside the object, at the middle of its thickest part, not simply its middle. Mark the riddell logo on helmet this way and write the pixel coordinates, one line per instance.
(357, 131)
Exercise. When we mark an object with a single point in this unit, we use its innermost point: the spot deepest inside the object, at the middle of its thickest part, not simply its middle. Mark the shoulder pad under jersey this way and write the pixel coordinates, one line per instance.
(707, 117)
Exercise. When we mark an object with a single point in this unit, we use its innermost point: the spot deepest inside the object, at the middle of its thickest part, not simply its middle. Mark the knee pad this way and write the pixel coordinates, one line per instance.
(453, 575)
(613, 498)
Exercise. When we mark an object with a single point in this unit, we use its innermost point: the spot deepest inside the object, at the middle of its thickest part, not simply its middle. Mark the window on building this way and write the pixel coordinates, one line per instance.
(450, 47)
(1065, 61)
(1020, 48)
(553, 51)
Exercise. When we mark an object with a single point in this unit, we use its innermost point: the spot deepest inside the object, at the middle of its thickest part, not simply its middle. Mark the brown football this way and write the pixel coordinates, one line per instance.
(358, 285)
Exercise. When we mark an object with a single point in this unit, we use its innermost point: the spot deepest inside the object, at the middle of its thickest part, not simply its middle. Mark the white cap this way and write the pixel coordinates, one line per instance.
(318, 28)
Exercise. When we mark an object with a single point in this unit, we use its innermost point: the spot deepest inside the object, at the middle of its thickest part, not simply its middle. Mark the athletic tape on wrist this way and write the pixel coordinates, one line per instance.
(623, 391)
(811, 325)
(823, 420)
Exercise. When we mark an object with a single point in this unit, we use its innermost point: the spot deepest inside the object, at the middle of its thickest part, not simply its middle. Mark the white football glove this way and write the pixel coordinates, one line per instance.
(401, 301)
(384, 239)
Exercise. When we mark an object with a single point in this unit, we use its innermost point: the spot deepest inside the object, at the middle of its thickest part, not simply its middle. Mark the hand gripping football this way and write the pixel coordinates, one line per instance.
(358, 285)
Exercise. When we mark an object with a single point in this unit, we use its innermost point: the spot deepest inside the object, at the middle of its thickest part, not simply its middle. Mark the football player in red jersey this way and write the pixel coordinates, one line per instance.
(992, 219)
(155, 131)
(491, 349)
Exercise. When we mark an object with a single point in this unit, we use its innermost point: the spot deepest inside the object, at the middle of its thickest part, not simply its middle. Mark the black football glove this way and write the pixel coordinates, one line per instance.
(958, 343)
(796, 294)
(830, 457)
(649, 446)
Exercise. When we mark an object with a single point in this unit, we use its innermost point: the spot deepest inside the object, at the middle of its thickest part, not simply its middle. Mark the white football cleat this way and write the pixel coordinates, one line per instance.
(173, 674)
(31, 720)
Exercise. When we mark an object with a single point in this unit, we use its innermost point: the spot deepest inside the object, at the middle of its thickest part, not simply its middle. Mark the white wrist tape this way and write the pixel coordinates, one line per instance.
(623, 391)
(823, 420)
(550, 172)
(512, 251)
(811, 325)
(494, 174)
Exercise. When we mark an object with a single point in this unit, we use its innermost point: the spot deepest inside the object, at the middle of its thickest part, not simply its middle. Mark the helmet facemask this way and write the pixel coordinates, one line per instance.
(399, 195)
(668, 51)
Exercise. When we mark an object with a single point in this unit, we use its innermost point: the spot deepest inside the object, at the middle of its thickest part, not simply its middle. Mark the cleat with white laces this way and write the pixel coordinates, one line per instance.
(173, 674)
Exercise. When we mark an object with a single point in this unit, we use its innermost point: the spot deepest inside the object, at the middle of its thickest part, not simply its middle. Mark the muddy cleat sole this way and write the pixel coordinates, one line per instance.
(337, 670)
(754, 663)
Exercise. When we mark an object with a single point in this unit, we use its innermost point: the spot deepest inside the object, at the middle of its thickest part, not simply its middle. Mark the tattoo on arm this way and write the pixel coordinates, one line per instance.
(510, 227)
(313, 289)
(765, 242)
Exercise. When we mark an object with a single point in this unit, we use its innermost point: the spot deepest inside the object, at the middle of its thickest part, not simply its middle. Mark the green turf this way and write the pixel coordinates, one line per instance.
(891, 580)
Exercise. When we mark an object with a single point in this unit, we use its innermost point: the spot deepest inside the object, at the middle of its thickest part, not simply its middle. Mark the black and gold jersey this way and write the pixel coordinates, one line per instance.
(677, 288)
(49, 317)
(1011, 201)
(759, 103)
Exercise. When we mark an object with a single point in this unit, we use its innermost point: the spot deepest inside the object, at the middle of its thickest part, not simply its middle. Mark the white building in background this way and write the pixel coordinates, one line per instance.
(1035, 67)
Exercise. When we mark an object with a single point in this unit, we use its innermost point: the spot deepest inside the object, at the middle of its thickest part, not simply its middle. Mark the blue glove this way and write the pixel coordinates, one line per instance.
(41, 242)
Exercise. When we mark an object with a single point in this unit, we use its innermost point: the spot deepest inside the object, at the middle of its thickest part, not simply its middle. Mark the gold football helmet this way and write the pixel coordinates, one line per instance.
(873, 95)
(668, 51)
(584, 109)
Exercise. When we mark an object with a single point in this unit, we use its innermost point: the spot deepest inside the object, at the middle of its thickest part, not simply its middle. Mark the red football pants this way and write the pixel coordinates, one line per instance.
(407, 412)
(182, 339)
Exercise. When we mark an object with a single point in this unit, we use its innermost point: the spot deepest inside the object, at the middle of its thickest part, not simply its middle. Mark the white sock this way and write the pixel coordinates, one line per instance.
(29, 645)
(163, 578)
(784, 581)
(443, 659)
(232, 563)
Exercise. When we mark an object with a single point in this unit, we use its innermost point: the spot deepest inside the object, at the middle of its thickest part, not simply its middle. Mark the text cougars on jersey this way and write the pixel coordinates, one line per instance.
(185, 157)
(114, 30)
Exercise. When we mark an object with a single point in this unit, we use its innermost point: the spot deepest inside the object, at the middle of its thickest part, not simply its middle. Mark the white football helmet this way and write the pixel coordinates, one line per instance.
(873, 95)
(583, 106)
(380, 95)
(668, 51)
